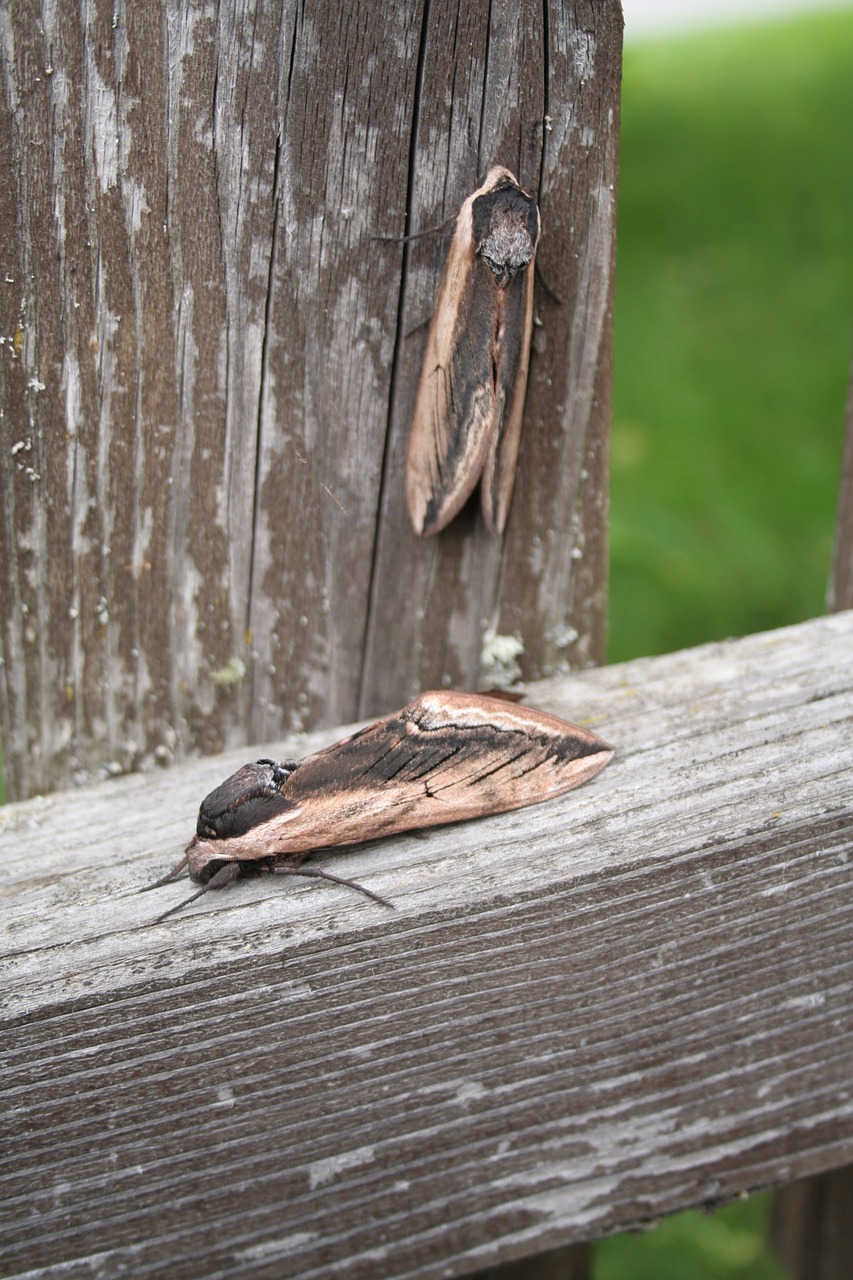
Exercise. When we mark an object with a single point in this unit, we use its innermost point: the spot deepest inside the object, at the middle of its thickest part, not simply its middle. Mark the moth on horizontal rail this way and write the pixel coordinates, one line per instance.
(466, 425)
(444, 758)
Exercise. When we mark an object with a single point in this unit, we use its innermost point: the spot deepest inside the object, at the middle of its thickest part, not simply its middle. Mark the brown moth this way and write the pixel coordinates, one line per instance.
(467, 420)
(444, 758)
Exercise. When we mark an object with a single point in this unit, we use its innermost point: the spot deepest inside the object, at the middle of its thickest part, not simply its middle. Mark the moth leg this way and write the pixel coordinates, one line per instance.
(289, 870)
(230, 871)
(168, 877)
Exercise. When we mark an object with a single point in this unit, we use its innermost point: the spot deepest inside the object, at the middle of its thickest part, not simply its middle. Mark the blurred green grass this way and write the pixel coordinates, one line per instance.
(733, 337)
(733, 342)
(726, 1245)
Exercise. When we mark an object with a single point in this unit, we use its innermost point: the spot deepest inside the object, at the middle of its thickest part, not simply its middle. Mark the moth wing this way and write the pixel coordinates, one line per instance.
(514, 360)
(455, 417)
(444, 758)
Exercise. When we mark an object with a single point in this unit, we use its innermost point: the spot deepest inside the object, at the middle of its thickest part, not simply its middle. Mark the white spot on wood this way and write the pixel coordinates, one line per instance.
(323, 1171)
(470, 1091)
(232, 673)
(137, 204)
(71, 381)
(499, 659)
(275, 1248)
(104, 127)
(562, 636)
(800, 1004)
(583, 51)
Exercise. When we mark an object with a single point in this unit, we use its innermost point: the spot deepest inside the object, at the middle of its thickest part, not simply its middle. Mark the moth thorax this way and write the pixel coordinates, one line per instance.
(506, 250)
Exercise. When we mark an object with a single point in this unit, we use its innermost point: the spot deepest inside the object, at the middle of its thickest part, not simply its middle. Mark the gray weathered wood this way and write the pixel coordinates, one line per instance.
(580, 1016)
(812, 1226)
(209, 360)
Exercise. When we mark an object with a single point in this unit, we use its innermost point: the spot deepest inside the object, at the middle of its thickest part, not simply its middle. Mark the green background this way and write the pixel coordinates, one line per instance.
(733, 334)
(733, 342)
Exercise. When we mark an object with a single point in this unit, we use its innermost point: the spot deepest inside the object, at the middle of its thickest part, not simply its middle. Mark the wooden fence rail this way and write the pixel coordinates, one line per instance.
(579, 1017)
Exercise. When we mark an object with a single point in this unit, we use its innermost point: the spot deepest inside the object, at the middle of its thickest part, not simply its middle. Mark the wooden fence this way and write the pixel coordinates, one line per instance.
(579, 1017)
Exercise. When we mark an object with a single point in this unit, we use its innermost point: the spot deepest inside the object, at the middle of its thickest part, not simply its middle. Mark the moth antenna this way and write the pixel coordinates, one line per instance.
(410, 333)
(327, 875)
(186, 902)
(418, 235)
(223, 876)
(540, 276)
(168, 877)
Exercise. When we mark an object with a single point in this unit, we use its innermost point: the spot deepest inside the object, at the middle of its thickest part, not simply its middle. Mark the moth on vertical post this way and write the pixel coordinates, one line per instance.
(467, 420)
(444, 758)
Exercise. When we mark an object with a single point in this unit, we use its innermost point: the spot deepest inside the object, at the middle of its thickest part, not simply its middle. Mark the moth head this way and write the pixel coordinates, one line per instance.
(203, 860)
(250, 796)
(505, 229)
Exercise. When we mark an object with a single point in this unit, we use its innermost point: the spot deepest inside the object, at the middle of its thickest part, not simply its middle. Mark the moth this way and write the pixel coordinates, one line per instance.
(443, 758)
(467, 420)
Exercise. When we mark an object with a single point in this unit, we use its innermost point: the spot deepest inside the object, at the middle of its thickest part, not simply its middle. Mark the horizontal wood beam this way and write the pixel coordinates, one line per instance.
(579, 1017)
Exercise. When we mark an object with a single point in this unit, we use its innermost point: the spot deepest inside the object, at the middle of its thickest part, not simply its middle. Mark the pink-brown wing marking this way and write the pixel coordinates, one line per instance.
(454, 417)
(443, 758)
(468, 411)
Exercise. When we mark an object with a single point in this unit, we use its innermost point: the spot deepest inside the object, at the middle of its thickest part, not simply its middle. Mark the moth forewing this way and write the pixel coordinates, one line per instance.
(470, 399)
(444, 463)
(443, 758)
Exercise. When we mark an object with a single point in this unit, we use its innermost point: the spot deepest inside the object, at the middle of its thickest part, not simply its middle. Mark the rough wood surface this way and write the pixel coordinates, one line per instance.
(580, 1016)
(209, 360)
(812, 1226)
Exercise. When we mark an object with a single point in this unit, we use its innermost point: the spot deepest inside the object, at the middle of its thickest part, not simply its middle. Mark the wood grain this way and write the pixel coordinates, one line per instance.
(580, 1016)
(812, 1227)
(209, 362)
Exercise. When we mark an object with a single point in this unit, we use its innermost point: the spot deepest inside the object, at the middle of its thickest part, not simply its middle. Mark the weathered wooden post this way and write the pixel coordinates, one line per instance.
(210, 357)
(812, 1220)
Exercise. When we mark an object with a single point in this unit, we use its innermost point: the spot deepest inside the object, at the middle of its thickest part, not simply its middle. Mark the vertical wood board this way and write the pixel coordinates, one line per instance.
(209, 362)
